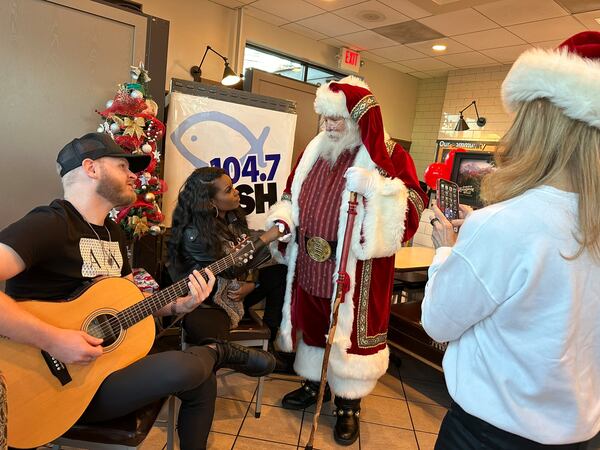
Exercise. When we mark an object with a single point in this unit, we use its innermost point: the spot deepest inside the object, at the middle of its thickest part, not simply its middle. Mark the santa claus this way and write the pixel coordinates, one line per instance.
(351, 154)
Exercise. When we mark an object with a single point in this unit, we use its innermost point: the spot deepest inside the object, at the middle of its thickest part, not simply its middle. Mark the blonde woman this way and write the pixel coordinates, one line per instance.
(517, 292)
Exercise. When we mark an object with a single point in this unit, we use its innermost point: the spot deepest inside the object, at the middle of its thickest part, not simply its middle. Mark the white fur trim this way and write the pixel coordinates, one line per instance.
(309, 361)
(282, 210)
(358, 378)
(383, 218)
(333, 104)
(351, 388)
(567, 80)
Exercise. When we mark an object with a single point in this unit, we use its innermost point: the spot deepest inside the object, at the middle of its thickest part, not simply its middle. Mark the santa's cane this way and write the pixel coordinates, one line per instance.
(342, 286)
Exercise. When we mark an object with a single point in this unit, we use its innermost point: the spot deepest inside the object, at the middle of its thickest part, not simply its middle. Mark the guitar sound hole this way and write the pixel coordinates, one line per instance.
(107, 327)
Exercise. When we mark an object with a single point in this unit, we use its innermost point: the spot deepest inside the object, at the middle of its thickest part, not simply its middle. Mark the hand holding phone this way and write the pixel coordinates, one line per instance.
(447, 198)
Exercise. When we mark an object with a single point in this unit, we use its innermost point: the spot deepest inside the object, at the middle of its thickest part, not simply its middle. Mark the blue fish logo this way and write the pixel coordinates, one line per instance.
(256, 144)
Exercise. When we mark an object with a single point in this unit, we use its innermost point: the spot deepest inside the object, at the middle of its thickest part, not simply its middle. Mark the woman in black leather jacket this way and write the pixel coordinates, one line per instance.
(207, 222)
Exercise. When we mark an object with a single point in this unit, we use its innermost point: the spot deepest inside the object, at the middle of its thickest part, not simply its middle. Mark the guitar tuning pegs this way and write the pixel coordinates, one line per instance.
(251, 256)
(245, 260)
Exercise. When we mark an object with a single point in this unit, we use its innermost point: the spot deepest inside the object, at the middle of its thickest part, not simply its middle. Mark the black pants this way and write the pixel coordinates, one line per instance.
(213, 322)
(462, 431)
(189, 375)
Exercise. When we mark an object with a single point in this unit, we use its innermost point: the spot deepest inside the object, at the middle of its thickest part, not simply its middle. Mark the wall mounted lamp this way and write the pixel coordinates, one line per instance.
(229, 76)
(461, 125)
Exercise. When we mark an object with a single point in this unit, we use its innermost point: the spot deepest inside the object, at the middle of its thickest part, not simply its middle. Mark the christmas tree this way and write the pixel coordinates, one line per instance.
(130, 118)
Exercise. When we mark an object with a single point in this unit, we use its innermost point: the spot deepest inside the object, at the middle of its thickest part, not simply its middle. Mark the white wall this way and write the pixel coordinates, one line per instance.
(194, 24)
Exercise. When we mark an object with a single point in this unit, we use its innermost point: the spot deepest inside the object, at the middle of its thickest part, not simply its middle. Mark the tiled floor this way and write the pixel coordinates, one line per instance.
(403, 413)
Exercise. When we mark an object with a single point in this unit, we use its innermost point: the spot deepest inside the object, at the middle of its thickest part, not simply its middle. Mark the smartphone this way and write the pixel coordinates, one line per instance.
(447, 198)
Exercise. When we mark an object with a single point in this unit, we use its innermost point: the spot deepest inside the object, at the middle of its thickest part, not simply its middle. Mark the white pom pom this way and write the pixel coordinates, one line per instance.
(109, 103)
(114, 127)
(100, 129)
(136, 94)
(146, 148)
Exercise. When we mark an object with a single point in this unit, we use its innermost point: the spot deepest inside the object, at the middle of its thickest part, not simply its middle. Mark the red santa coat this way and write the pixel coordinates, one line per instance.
(359, 355)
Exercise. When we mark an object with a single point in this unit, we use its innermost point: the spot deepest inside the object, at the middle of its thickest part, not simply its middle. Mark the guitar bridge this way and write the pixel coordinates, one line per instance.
(57, 368)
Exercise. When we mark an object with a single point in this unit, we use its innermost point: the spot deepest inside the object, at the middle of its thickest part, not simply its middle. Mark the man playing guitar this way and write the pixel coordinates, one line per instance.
(57, 250)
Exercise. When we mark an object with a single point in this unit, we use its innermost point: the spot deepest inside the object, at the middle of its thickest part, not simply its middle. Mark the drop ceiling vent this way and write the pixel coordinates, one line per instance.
(408, 32)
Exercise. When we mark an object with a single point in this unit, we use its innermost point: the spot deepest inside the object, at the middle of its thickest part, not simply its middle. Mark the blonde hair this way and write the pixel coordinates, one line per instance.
(541, 145)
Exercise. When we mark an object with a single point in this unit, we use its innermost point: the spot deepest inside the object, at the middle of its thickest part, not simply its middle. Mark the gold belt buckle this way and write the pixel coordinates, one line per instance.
(318, 249)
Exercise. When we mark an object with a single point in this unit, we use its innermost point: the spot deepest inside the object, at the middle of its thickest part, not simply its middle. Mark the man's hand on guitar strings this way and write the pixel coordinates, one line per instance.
(74, 346)
(199, 288)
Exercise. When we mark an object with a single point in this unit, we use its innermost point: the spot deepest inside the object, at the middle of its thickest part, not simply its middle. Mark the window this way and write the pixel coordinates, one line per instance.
(269, 61)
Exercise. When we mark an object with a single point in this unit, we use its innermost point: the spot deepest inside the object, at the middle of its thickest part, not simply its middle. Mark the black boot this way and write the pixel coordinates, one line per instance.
(305, 396)
(284, 361)
(247, 360)
(347, 425)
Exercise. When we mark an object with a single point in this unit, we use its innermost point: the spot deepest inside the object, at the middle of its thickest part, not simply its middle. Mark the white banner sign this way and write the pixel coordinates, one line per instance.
(254, 145)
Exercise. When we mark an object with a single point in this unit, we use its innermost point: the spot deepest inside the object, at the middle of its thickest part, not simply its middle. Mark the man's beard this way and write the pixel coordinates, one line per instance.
(113, 191)
(336, 142)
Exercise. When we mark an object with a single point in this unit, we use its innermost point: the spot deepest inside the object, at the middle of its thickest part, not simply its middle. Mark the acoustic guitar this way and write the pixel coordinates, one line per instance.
(45, 396)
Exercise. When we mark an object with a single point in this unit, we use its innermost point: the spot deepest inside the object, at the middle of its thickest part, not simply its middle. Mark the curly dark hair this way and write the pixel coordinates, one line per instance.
(194, 207)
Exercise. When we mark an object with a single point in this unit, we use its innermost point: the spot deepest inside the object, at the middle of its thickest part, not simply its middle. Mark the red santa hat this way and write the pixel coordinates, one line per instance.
(568, 76)
(351, 98)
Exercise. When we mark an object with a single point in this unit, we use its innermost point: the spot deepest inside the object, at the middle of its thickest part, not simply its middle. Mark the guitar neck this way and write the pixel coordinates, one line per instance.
(148, 306)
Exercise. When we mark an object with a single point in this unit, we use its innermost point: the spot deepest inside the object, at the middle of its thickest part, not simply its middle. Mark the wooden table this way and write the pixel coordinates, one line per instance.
(413, 258)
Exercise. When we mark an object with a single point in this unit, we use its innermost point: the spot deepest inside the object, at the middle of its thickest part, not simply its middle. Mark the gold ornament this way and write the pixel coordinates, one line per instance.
(134, 126)
(149, 197)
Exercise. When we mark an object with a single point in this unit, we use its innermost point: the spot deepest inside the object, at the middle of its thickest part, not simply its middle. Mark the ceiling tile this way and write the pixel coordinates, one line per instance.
(330, 5)
(547, 30)
(580, 6)
(371, 14)
(407, 7)
(291, 10)
(399, 67)
(459, 22)
(498, 37)
(512, 12)
(330, 25)
(427, 64)
(265, 17)
(366, 40)
(408, 32)
(549, 45)
(506, 54)
(334, 42)
(228, 3)
(469, 59)
(312, 34)
(451, 47)
(373, 57)
(589, 19)
(398, 53)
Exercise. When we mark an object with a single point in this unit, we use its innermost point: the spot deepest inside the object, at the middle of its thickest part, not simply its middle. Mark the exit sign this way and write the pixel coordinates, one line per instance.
(349, 60)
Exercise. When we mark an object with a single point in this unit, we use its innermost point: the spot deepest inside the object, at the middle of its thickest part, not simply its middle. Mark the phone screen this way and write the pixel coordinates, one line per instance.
(447, 198)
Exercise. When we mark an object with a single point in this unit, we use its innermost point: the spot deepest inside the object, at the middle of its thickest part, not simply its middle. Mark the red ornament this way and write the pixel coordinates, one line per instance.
(435, 171)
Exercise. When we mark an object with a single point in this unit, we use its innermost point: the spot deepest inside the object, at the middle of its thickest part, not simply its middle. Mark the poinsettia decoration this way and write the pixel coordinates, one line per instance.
(130, 118)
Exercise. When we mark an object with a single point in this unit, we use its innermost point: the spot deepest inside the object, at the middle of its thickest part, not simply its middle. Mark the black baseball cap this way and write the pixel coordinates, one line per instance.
(94, 146)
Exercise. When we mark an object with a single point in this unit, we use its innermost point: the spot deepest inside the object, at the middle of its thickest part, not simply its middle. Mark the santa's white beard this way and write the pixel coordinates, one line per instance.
(336, 142)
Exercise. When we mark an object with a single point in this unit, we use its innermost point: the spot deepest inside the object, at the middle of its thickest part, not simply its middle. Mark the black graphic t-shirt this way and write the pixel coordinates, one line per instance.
(62, 253)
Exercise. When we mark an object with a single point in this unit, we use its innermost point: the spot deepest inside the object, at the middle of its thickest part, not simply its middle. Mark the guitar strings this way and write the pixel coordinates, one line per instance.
(142, 309)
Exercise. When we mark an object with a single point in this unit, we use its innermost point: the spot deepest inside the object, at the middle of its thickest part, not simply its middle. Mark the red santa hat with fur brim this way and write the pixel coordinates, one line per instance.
(568, 76)
(351, 98)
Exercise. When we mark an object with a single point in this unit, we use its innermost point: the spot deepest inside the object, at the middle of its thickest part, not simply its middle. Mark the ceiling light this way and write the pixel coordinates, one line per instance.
(439, 47)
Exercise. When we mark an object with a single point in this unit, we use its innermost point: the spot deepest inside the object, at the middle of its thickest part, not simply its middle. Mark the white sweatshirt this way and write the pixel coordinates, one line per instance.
(523, 322)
